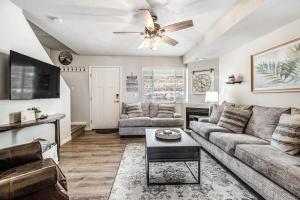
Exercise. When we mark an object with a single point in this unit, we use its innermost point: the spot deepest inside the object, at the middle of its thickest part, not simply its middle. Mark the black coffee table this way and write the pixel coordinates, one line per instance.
(183, 150)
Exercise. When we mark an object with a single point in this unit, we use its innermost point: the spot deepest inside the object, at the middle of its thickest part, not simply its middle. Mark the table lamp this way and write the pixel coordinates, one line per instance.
(211, 97)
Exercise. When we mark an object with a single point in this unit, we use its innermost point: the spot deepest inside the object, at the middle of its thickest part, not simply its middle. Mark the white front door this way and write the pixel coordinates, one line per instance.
(105, 93)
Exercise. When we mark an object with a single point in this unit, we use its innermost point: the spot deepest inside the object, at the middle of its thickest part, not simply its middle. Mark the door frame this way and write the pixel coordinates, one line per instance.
(90, 89)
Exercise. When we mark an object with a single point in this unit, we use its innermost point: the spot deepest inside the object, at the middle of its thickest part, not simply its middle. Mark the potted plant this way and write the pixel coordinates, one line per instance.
(37, 111)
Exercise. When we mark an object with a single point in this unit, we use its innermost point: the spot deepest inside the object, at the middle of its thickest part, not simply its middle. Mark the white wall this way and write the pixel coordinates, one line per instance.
(238, 62)
(202, 65)
(17, 35)
(78, 81)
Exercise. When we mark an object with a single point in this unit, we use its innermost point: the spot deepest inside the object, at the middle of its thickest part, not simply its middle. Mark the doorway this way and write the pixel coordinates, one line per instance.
(104, 97)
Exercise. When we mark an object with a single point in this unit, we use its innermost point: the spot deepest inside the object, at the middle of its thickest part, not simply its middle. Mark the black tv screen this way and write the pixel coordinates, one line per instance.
(32, 79)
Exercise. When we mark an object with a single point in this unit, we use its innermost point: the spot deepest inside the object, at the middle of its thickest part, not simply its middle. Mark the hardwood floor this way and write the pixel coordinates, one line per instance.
(90, 162)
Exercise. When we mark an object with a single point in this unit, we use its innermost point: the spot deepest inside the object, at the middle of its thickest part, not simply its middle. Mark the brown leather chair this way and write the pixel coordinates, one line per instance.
(24, 174)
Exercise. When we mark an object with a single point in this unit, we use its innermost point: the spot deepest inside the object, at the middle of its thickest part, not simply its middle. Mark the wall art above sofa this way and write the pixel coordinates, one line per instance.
(277, 69)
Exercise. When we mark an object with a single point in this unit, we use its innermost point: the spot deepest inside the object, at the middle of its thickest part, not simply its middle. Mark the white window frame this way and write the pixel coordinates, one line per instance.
(184, 69)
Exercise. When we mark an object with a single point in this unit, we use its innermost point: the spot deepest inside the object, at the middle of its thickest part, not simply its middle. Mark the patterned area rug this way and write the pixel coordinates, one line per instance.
(216, 182)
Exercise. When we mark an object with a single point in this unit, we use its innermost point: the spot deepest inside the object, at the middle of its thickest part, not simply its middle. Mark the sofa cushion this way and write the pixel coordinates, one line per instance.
(177, 115)
(167, 122)
(124, 116)
(144, 105)
(204, 128)
(283, 169)
(228, 141)
(166, 110)
(295, 111)
(145, 108)
(153, 109)
(134, 110)
(217, 111)
(234, 119)
(135, 122)
(286, 136)
(123, 108)
(244, 107)
(264, 120)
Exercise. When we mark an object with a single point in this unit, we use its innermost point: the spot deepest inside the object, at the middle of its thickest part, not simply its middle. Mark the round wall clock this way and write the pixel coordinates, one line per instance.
(201, 83)
(65, 58)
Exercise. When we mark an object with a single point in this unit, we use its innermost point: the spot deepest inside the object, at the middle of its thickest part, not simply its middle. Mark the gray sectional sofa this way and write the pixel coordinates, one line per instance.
(272, 173)
(137, 125)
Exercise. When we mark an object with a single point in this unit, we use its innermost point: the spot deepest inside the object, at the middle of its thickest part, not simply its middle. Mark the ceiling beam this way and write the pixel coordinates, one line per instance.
(239, 11)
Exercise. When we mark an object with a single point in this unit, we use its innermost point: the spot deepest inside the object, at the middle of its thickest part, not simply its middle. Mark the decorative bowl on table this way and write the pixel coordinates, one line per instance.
(168, 134)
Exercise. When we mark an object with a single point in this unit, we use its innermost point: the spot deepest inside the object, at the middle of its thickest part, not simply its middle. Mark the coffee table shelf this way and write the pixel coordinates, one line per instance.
(184, 150)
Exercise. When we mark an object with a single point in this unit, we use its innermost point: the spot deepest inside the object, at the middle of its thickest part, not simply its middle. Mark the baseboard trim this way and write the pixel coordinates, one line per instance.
(78, 123)
(107, 130)
(67, 139)
(87, 127)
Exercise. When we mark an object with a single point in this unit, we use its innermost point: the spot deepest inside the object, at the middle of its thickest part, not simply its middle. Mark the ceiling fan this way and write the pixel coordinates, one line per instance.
(154, 34)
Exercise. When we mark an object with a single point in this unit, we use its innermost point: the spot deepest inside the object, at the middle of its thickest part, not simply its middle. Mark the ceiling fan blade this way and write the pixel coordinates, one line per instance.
(148, 21)
(129, 33)
(177, 26)
(168, 40)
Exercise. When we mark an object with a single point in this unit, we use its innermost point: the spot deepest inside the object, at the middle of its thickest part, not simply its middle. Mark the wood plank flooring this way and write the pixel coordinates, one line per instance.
(90, 162)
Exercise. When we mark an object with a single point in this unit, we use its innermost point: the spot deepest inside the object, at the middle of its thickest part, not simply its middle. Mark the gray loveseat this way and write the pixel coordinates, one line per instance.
(137, 125)
(269, 171)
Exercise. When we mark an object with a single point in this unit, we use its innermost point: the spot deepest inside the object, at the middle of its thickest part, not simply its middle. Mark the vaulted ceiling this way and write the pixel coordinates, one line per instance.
(87, 26)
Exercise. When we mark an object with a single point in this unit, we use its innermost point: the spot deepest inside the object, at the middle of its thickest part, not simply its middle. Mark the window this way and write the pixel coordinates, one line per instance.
(163, 84)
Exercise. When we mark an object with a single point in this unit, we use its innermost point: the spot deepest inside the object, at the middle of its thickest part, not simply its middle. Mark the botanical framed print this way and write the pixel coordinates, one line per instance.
(277, 69)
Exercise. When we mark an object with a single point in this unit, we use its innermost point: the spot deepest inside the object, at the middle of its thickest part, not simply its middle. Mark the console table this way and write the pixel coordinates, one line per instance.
(192, 112)
(51, 119)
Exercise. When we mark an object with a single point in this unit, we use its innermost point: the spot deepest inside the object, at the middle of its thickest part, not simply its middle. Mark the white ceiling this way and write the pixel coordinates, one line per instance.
(47, 40)
(88, 24)
(252, 19)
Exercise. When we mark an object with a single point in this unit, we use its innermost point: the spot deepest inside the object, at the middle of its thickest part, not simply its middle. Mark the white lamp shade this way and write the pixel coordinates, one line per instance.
(211, 97)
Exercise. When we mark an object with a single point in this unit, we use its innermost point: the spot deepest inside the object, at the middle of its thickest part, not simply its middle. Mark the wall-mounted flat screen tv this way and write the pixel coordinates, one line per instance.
(32, 79)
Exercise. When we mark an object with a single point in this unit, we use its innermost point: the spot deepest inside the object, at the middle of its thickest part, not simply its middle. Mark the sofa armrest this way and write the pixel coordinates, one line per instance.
(26, 179)
(19, 155)
(206, 119)
(177, 115)
(124, 116)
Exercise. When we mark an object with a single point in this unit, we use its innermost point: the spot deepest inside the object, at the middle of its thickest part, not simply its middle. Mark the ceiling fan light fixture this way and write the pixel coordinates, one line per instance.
(154, 44)
(154, 33)
(145, 43)
(149, 43)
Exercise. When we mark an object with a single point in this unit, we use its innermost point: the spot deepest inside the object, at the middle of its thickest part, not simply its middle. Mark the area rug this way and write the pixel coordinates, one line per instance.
(216, 182)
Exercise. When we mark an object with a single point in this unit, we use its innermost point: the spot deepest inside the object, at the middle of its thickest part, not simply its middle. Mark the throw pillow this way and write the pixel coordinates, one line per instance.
(286, 136)
(244, 107)
(295, 111)
(134, 110)
(217, 111)
(264, 120)
(153, 109)
(234, 119)
(166, 111)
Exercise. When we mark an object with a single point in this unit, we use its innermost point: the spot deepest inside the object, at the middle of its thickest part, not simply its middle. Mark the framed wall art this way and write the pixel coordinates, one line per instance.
(202, 81)
(132, 83)
(277, 69)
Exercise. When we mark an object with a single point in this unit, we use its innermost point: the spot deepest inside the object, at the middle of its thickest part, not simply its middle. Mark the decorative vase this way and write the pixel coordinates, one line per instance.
(231, 78)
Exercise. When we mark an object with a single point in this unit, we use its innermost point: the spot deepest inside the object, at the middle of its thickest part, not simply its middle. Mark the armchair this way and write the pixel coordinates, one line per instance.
(25, 175)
